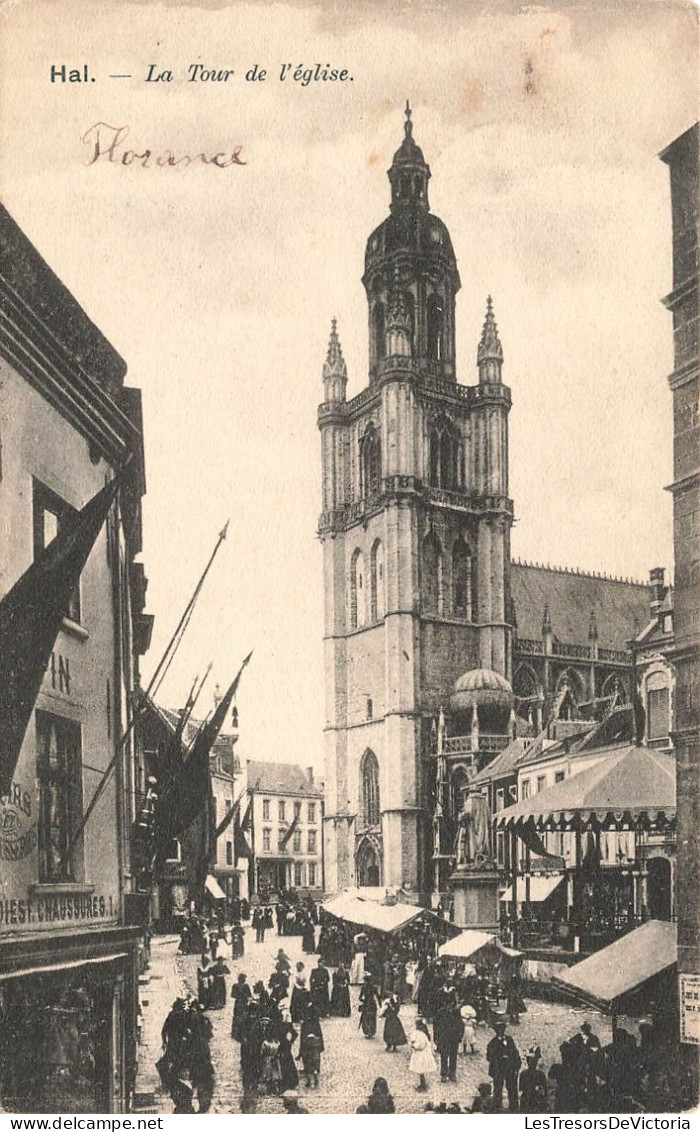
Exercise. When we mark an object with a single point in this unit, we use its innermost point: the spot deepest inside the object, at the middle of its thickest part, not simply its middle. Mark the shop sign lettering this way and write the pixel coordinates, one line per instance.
(18, 834)
(690, 1008)
(55, 909)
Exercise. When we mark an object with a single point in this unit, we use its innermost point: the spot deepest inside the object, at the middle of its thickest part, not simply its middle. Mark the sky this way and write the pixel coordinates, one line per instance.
(542, 126)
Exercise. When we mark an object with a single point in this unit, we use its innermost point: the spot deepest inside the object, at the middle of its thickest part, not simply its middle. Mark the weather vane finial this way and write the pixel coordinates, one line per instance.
(408, 125)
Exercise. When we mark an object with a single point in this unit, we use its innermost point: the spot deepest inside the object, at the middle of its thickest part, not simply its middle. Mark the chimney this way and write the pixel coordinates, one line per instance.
(657, 589)
(310, 774)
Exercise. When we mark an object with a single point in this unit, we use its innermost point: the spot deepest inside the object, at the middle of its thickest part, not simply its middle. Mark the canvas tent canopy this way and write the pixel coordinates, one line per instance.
(468, 944)
(619, 970)
(387, 918)
(629, 783)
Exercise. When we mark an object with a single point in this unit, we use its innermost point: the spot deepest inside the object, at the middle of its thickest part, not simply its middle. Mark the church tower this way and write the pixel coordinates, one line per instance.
(415, 530)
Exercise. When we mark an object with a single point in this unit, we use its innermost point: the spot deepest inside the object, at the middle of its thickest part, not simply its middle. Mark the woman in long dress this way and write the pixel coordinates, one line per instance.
(340, 995)
(368, 1007)
(357, 968)
(204, 980)
(394, 1034)
(422, 1060)
(286, 1036)
(217, 984)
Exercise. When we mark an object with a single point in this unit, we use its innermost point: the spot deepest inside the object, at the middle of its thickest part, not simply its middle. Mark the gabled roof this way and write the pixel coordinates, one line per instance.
(571, 597)
(507, 761)
(280, 778)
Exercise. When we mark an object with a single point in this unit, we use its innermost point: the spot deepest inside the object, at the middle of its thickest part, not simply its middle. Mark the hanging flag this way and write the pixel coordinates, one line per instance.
(188, 794)
(241, 845)
(248, 815)
(30, 618)
(288, 835)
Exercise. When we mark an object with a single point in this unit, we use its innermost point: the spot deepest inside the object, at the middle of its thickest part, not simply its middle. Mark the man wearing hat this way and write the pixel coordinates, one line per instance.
(504, 1062)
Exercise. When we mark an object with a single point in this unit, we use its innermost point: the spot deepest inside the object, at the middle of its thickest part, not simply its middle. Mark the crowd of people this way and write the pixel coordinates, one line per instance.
(452, 1001)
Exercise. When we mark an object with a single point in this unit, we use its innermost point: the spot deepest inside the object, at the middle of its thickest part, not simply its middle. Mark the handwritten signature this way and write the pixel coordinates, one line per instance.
(108, 143)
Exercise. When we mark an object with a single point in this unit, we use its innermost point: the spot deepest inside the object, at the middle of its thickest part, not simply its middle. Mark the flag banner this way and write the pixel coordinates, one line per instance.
(30, 618)
(225, 823)
(186, 796)
(532, 840)
(248, 815)
(288, 835)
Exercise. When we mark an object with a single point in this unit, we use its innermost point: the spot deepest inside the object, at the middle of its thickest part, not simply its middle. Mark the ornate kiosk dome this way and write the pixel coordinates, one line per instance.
(488, 692)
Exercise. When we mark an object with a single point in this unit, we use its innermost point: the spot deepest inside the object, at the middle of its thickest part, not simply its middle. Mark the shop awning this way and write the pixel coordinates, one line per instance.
(622, 967)
(540, 889)
(214, 888)
(388, 918)
(629, 781)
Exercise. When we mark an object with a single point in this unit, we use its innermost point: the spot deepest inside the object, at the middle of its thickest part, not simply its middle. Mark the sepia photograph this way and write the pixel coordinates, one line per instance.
(349, 559)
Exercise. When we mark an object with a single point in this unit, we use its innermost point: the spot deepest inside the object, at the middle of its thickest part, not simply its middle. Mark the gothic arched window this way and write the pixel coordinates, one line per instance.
(358, 596)
(436, 319)
(462, 579)
(370, 461)
(379, 329)
(369, 787)
(432, 574)
(377, 582)
(445, 455)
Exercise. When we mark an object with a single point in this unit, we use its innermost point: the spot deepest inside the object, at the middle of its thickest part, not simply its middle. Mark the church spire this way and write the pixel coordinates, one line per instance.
(489, 355)
(409, 173)
(335, 371)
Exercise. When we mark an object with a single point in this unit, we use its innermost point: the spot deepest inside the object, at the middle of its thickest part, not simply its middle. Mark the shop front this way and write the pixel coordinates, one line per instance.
(67, 1022)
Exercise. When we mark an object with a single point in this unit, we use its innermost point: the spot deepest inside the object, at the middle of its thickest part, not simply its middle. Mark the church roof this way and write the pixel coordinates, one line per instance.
(570, 597)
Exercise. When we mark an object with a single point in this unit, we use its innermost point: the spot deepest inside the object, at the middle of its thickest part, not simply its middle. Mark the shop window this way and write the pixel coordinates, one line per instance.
(229, 852)
(312, 841)
(298, 875)
(297, 841)
(369, 773)
(312, 811)
(266, 809)
(281, 808)
(52, 515)
(267, 843)
(312, 874)
(60, 795)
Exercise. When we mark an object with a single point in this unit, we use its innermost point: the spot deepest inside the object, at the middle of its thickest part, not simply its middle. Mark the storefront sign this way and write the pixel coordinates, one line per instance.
(56, 909)
(689, 996)
(18, 832)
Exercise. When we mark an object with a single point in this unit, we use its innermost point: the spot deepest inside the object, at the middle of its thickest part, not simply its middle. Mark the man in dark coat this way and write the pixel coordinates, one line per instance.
(319, 981)
(448, 1030)
(300, 999)
(504, 1062)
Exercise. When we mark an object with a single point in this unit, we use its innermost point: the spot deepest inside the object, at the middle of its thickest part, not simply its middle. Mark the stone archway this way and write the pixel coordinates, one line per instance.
(368, 865)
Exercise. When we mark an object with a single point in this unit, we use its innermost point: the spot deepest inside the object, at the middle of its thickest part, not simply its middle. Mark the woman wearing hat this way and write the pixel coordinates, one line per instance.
(533, 1084)
(394, 1033)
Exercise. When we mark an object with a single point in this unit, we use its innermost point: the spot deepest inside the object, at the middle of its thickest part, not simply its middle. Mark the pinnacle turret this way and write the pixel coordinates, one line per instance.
(335, 371)
(489, 355)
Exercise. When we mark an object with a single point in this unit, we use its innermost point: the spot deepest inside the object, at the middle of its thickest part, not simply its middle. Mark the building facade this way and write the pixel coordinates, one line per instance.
(682, 159)
(415, 531)
(286, 830)
(68, 956)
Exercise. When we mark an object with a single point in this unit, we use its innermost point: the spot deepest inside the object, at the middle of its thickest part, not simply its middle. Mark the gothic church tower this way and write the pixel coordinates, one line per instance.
(415, 530)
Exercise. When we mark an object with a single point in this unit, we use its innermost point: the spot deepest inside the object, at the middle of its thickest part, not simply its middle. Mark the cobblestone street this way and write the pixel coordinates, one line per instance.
(350, 1062)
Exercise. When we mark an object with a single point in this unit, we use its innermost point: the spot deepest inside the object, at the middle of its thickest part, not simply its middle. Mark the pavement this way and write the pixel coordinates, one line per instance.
(350, 1062)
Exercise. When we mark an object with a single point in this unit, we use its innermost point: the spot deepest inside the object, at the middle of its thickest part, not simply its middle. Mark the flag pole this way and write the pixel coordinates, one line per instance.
(170, 651)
